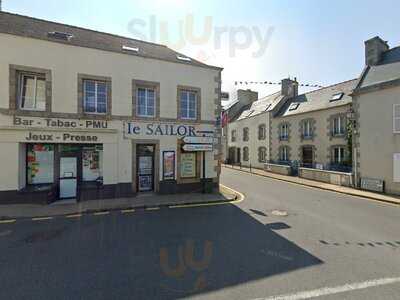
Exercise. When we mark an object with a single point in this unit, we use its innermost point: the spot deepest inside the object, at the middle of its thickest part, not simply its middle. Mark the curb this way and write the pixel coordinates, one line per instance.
(77, 214)
(319, 187)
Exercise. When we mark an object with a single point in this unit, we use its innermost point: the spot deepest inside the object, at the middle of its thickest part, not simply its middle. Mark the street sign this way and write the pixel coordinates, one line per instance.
(197, 147)
(198, 140)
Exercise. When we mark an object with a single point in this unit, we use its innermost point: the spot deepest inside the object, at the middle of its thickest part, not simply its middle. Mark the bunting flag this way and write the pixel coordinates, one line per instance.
(224, 118)
(275, 83)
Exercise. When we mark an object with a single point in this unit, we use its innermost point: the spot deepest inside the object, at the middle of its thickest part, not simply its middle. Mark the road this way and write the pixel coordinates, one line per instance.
(284, 239)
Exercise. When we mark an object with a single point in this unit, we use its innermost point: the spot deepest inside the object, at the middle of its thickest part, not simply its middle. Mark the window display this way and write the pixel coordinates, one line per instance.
(188, 165)
(92, 163)
(40, 164)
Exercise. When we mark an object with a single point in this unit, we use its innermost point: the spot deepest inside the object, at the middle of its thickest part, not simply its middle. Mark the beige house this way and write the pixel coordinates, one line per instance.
(376, 102)
(249, 136)
(310, 130)
(89, 115)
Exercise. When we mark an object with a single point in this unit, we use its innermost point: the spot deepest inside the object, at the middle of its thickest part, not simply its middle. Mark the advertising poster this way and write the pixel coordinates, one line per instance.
(169, 165)
(188, 165)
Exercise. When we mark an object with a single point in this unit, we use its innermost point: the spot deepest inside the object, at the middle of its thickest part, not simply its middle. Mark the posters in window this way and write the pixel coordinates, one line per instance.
(188, 165)
(169, 165)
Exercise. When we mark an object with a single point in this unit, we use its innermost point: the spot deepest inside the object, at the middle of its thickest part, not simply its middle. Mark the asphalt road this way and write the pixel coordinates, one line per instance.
(284, 239)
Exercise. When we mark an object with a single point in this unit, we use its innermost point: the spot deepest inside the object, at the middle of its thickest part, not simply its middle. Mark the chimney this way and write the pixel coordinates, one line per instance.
(374, 48)
(246, 97)
(290, 88)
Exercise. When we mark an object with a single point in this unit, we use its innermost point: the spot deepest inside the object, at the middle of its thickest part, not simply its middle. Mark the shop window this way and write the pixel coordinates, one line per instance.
(92, 163)
(40, 164)
(188, 165)
(146, 102)
(32, 92)
(95, 96)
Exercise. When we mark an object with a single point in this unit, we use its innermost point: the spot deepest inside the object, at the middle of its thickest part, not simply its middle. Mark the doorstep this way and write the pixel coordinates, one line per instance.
(224, 195)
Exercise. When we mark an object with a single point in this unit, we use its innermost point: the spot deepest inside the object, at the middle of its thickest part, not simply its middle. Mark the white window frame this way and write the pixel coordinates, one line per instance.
(187, 92)
(341, 157)
(21, 88)
(395, 118)
(283, 155)
(339, 132)
(96, 82)
(284, 131)
(147, 89)
(307, 132)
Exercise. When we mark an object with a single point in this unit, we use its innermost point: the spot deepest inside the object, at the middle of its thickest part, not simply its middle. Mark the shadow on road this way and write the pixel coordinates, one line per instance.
(167, 254)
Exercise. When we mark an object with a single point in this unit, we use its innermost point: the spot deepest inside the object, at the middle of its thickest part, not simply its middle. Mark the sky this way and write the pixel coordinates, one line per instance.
(318, 42)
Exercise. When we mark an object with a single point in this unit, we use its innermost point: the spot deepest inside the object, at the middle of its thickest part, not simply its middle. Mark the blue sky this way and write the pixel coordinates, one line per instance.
(319, 42)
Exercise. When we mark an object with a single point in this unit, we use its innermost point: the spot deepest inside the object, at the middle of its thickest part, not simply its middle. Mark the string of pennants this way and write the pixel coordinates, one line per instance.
(275, 83)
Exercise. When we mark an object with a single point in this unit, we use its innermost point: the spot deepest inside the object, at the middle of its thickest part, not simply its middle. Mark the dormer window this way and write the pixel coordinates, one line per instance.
(293, 106)
(60, 35)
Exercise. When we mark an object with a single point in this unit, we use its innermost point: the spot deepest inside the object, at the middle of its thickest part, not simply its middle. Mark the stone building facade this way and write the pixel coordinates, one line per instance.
(90, 115)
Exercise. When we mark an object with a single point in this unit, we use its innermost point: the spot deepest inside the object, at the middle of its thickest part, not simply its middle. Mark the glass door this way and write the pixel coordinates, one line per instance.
(68, 177)
(145, 168)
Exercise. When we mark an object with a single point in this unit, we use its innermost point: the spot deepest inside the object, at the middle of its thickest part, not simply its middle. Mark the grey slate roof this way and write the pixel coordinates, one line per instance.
(36, 28)
(262, 105)
(387, 70)
(319, 99)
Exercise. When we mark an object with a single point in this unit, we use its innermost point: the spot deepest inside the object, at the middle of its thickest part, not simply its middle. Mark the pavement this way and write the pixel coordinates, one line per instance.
(320, 185)
(284, 241)
(9, 213)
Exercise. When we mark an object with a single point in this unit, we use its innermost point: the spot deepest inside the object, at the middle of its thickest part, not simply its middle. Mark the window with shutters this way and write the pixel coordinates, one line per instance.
(396, 118)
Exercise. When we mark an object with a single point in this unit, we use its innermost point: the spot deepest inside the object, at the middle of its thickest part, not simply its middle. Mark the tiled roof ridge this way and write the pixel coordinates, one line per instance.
(326, 87)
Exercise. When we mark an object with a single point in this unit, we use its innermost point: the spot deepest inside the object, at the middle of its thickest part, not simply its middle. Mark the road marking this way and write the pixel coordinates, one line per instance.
(101, 213)
(127, 211)
(7, 221)
(152, 208)
(334, 290)
(42, 219)
(74, 216)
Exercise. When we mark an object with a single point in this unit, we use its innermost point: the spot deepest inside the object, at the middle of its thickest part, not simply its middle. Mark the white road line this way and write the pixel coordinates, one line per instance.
(334, 290)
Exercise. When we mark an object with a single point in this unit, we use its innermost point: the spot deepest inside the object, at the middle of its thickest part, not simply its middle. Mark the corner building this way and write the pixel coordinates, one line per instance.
(88, 115)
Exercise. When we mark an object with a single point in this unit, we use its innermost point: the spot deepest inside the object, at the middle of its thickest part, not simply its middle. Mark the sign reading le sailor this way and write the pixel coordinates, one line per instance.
(159, 129)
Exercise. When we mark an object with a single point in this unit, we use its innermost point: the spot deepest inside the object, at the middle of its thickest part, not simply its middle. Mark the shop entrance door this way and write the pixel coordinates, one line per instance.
(68, 177)
(145, 168)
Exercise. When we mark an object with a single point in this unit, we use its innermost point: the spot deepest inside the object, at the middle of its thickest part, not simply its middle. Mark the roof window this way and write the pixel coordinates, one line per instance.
(60, 35)
(131, 49)
(337, 97)
(183, 58)
(293, 106)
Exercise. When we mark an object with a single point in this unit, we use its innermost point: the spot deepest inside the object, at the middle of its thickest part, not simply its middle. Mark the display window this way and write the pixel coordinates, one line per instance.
(40, 164)
(92, 163)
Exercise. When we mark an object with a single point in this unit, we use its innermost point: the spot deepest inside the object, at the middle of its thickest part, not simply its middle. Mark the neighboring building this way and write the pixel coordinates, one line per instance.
(310, 130)
(90, 115)
(249, 136)
(376, 102)
(231, 112)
